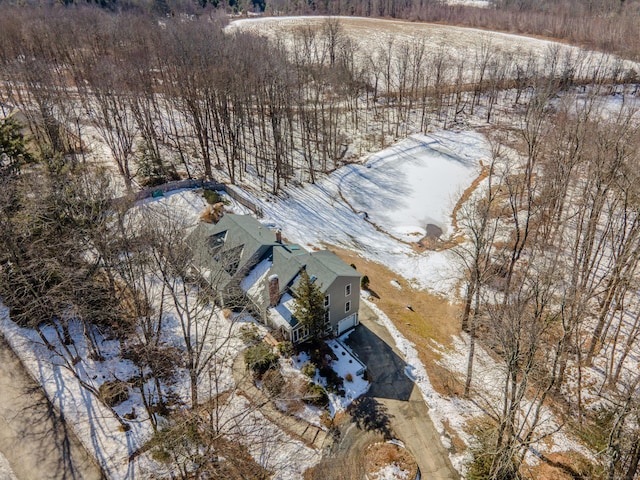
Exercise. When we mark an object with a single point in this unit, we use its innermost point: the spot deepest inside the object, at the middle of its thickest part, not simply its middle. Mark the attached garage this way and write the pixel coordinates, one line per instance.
(347, 323)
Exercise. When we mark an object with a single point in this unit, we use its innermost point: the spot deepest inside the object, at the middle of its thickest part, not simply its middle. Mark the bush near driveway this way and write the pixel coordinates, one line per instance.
(260, 358)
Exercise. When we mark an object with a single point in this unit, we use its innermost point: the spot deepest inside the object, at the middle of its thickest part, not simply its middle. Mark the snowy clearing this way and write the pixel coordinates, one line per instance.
(315, 214)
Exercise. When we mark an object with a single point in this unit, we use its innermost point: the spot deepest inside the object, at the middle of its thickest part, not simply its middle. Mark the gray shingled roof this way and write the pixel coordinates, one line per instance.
(247, 241)
(235, 238)
(324, 265)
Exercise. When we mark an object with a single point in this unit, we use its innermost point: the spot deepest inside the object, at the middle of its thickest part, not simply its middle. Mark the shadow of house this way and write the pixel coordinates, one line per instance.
(385, 368)
(244, 263)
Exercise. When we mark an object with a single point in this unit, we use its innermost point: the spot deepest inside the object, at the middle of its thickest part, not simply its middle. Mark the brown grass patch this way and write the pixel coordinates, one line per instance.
(561, 466)
(431, 318)
(457, 444)
(379, 455)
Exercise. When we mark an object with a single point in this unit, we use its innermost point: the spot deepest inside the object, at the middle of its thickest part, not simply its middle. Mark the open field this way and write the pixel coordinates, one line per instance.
(373, 39)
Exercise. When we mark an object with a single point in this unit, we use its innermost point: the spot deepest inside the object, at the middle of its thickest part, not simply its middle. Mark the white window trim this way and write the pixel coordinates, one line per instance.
(327, 300)
(327, 317)
(347, 290)
(347, 307)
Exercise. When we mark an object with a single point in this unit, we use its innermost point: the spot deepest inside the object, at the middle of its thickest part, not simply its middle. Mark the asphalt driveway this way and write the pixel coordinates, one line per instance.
(394, 405)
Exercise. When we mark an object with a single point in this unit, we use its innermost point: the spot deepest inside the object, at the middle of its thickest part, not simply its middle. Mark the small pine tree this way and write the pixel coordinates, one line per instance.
(309, 306)
(13, 150)
(364, 282)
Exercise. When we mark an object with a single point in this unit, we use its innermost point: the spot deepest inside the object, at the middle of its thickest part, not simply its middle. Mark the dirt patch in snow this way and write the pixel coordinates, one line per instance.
(420, 316)
(561, 466)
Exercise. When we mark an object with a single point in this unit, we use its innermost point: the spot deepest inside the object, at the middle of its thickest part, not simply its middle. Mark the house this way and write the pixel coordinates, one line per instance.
(246, 263)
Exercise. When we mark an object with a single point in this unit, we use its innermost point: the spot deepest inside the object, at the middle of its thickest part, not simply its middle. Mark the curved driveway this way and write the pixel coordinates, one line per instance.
(400, 410)
(33, 436)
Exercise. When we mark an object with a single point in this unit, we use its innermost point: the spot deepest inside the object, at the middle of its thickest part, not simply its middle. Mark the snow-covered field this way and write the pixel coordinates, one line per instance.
(371, 36)
(439, 165)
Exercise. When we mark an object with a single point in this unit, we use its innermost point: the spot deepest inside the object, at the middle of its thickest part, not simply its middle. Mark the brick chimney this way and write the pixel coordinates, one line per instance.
(274, 290)
(279, 236)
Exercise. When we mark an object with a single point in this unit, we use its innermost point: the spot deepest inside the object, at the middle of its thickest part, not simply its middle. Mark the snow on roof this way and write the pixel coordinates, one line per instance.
(253, 283)
(281, 315)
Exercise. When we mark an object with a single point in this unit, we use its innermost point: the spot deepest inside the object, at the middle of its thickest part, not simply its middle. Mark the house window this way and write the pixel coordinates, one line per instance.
(327, 317)
(347, 307)
(294, 336)
(326, 301)
(347, 290)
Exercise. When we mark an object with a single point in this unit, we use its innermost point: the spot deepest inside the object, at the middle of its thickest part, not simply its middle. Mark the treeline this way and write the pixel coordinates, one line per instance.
(611, 26)
(608, 25)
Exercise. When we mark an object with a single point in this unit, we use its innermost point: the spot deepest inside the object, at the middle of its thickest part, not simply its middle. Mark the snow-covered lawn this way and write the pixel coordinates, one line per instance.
(444, 163)
(348, 367)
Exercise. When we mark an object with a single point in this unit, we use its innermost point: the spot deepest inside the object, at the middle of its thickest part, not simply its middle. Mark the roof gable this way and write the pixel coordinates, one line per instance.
(240, 246)
(234, 244)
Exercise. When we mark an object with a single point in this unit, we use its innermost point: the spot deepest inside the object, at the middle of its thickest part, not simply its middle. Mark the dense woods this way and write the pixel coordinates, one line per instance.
(551, 265)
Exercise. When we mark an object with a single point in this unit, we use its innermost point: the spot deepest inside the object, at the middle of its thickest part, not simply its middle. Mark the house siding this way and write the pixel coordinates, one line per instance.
(338, 299)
